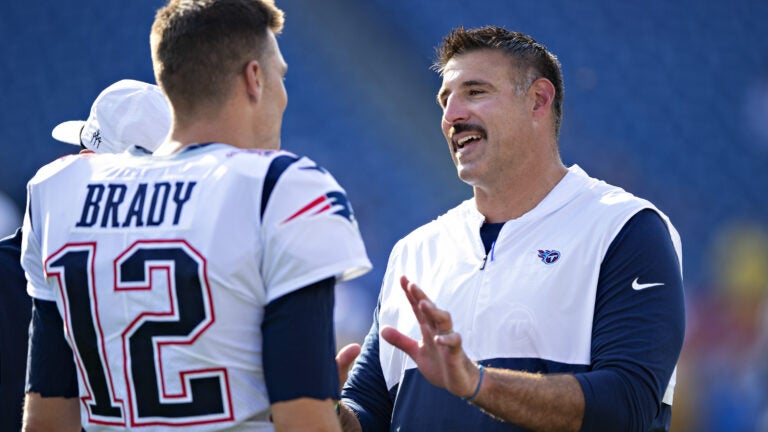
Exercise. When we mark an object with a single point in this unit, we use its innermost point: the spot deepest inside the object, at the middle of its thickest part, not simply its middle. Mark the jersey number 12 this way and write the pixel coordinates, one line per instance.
(186, 314)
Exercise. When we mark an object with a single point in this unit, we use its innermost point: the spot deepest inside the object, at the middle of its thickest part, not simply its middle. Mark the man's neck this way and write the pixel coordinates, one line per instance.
(230, 125)
(516, 196)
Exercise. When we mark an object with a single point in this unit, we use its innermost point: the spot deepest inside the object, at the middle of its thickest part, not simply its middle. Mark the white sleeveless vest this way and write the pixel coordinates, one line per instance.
(535, 296)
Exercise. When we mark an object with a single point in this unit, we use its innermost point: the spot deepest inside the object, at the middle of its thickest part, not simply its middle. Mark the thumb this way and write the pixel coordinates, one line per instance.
(400, 341)
(344, 359)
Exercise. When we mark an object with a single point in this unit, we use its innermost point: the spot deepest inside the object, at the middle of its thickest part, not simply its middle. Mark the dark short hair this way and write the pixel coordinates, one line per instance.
(532, 58)
(200, 46)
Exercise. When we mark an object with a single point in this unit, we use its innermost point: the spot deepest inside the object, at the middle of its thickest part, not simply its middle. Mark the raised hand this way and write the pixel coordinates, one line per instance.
(438, 355)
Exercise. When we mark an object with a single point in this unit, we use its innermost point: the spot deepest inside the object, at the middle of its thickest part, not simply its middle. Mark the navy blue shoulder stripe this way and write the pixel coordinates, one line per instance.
(276, 169)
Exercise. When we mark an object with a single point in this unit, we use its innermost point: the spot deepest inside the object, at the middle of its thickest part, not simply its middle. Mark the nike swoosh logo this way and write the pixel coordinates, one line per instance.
(638, 286)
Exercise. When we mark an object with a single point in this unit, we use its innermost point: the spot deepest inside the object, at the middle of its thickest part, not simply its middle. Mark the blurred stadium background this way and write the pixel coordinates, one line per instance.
(667, 99)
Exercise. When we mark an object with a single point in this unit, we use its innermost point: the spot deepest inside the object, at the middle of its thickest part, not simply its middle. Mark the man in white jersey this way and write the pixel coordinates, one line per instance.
(549, 301)
(125, 113)
(196, 286)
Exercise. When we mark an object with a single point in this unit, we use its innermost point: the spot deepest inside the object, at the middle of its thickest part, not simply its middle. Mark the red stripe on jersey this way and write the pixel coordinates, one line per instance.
(306, 208)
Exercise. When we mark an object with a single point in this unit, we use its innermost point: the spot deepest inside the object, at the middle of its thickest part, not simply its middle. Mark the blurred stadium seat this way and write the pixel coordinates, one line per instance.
(667, 99)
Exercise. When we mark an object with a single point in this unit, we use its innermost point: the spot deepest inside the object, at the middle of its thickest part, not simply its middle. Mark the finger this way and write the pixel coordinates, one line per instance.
(405, 284)
(415, 295)
(347, 355)
(451, 341)
(427, 334)
(439, 319)
(400, 341)
(413, 291)
(344, 360)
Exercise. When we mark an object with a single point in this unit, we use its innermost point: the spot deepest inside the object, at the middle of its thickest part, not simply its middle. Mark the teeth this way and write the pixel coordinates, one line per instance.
(467, 139)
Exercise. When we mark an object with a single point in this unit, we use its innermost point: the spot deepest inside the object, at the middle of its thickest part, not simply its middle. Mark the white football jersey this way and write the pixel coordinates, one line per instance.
(161, 268)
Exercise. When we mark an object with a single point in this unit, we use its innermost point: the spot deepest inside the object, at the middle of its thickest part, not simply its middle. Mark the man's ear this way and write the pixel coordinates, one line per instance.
(543, 92)
(254, 80)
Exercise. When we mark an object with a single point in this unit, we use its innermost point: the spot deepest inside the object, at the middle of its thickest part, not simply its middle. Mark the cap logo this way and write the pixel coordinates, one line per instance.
(96, 139)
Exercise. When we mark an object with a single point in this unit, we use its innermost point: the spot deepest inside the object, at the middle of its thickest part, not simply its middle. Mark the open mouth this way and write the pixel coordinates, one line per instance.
(465, 133)
(461, 142)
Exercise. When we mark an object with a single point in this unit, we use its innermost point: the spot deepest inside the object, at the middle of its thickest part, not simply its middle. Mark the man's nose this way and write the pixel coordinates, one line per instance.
(455, 111)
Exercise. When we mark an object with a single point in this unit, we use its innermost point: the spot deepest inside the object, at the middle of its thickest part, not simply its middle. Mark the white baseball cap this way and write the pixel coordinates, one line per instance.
(125, 114)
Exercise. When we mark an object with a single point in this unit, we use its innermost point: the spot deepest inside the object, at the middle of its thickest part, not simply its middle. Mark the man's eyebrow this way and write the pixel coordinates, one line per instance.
(472, 83)
(444, 92)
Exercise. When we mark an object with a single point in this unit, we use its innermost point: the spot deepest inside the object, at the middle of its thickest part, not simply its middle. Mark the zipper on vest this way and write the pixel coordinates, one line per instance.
(489, 254)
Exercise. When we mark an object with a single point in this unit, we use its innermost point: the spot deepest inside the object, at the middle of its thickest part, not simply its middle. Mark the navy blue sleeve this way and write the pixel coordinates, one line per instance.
(15, 311)
(638, 328)
(365, 391)
(300, 344)
(50, 365)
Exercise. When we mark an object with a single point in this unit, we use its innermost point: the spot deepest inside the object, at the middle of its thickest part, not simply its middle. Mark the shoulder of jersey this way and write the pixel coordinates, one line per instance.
(611, 204)
(255, 162)
(238, 153)
(608, 194)
(59, 165)
(246, 158)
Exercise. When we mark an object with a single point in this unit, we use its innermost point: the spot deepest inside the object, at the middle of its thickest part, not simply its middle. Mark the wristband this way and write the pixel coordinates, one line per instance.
(479, 383)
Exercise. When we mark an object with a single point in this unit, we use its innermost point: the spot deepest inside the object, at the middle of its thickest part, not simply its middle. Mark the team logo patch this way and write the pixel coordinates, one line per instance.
(335, 202)
(549, 256)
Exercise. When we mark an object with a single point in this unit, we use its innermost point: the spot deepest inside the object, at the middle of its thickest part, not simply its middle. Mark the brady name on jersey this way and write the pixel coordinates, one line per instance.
(146, 205)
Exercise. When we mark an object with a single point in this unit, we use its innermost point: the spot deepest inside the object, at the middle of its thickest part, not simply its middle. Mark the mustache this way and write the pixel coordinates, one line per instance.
(467, 127)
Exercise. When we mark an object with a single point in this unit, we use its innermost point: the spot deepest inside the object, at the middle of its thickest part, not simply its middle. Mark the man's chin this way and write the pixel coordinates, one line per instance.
(466, 174)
